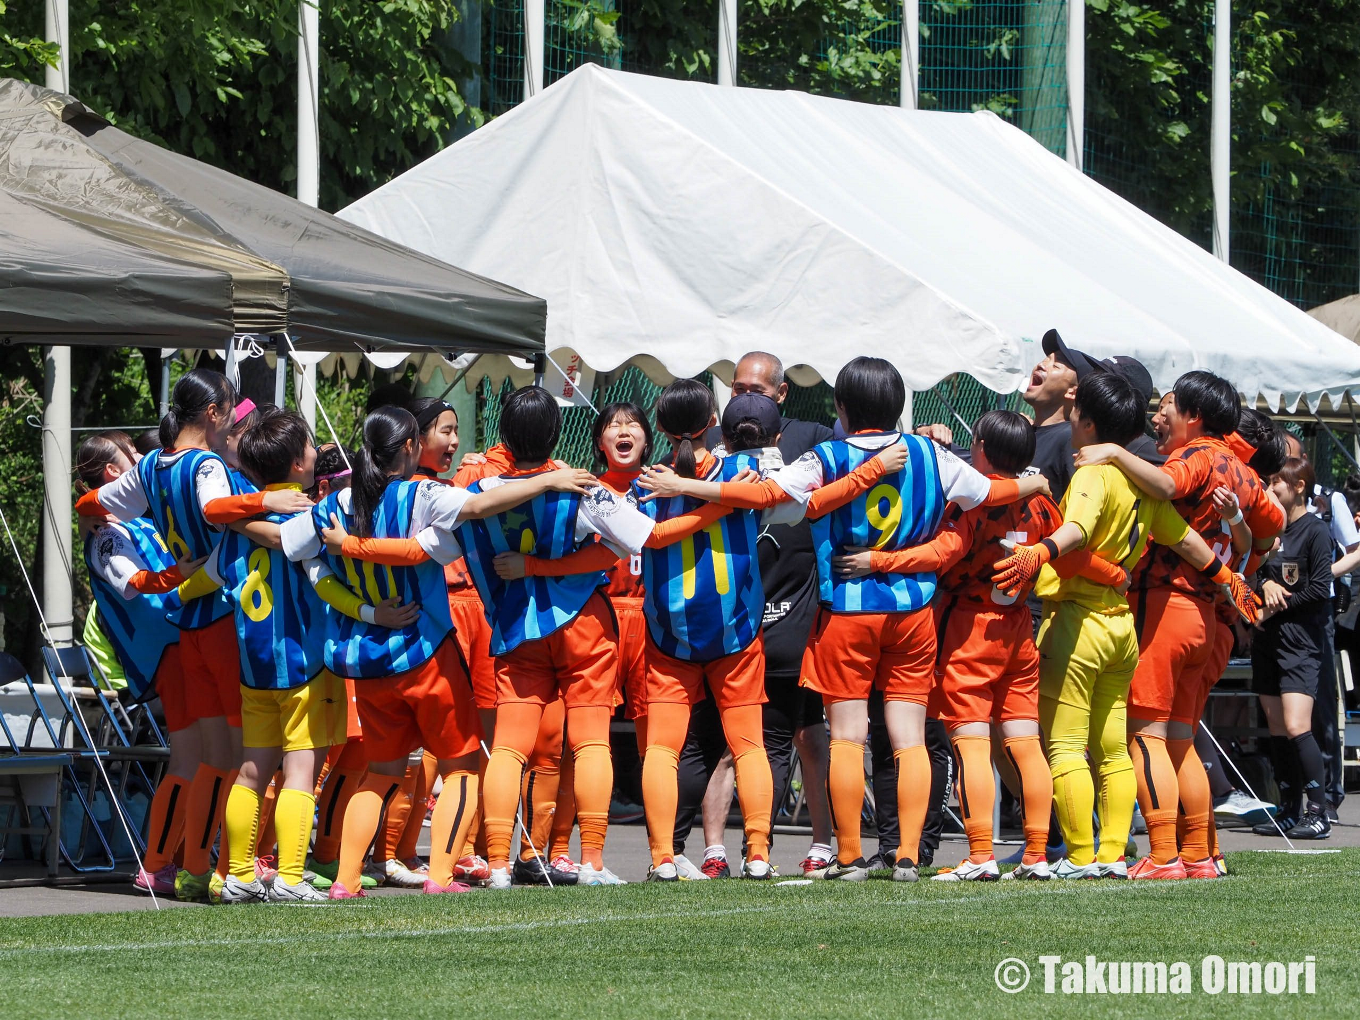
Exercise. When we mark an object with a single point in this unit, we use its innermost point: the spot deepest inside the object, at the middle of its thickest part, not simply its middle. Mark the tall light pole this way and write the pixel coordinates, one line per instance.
(727, 42)
(535, 14)
(1220, 126)
(911, 55)
(308, 164)
(1076, 80)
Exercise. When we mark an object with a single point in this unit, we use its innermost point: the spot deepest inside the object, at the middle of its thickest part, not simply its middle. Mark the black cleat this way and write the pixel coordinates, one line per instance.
(536, 871)
(1311, 826)
(1269, 828)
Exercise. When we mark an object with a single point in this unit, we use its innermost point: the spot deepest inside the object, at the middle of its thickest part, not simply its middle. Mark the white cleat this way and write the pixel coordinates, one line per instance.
(500, 878)
(281, 891)
(969, 871)
(589, 875)
(907, 872)
(689, 871)
(1114, 869)
(757, 870)
(234, 891)
(1035, 872)
(1066, 869)
(664, 872)
(398, 873)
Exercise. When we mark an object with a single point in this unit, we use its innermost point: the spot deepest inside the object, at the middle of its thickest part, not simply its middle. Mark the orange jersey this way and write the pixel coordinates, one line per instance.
(1197, 469)
(625, 576)
(984, 527)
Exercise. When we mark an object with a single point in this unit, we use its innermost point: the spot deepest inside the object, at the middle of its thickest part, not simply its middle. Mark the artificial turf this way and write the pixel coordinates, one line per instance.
(697, 950)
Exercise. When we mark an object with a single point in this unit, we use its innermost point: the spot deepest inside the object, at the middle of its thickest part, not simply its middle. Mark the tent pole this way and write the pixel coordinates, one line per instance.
(535, 13)
(56, 522)
(1220, 130)
(58, 31)
(165, 384)
(309, 160)
(1076, 81)
(727, 42)
(911, 55)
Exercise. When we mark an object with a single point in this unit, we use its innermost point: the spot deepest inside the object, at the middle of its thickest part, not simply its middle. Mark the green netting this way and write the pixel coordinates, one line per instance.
(1007, 56)
(567, 43)
(503, 55)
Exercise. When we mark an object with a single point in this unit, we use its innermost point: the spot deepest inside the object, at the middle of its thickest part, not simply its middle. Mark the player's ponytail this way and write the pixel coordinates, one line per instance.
(98, 452)
(684, 412)
(386, 433)
(195, 392)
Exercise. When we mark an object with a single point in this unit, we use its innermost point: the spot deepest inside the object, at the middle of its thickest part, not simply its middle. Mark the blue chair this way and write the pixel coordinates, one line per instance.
(23, 774)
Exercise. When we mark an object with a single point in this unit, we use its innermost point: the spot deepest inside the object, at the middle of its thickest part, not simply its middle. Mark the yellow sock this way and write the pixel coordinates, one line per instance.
(293, 814)
(240, 821)
(1074, 796)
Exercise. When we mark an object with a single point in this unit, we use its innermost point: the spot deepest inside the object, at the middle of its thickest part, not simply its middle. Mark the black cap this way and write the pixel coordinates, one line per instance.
(1082, 364)
(1133, 370)
(753, 405)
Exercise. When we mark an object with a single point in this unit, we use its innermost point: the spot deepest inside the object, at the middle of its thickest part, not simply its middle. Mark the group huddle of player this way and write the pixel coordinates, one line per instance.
(311, 619)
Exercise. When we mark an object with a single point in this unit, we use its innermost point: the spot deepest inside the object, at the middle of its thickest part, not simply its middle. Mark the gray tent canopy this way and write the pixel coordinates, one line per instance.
(107, 239)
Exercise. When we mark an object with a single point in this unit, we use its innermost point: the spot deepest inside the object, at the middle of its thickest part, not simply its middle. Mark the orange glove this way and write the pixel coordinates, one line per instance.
(1018, 571)
(1234, 586)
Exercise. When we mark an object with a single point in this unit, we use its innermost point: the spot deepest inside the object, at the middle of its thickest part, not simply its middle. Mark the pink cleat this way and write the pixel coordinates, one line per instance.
(339, 892)
(433, 888)
(162, 882)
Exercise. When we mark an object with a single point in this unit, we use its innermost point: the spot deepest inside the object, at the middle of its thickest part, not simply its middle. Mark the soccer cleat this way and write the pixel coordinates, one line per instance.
(535, 871)
(1313, 825)
(1238, 808)
(162, 882)
(856, 871)
(1207, 868)
(403, 876)
(1038, 872)
(971, 871)
(500, 878)
(1114, 869)
(215, 885)
(688, 870)
(1147, 868)
(715, 867)
(1220, 865)
(472, 869)
(663, 872)
(339, 892)
(283, 891)
(1281, 823)
(881, 861)
(266, 868)
(589, 875)
(1066, 869)
(375, 872)
(322, 874)
(566, 865)
(756, 869)
(235, 891)
(192, 888)
(814, 867)
(905, 871)
(433, 888)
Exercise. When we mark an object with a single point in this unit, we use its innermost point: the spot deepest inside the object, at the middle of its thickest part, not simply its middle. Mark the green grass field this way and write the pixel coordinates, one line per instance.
(716, 949)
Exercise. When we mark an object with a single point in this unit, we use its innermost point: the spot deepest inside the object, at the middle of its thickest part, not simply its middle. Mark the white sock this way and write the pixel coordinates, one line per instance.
(715, 852)
(821, 851)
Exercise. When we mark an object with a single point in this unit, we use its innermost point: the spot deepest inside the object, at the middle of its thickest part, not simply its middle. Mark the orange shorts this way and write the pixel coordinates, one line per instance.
(1188, 705)
(987, 668)
(735, 680)
(474, 638)
(851, 654)
(211, 661)
(169, 685)
(348, 757)
(429, 706)
(632, 655)
(354, 729)
(1174, 643)
(578, 662)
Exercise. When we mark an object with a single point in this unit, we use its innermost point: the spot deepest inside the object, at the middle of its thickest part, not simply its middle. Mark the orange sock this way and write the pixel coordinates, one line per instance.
(564, 813)
(660, 776)
(516, 733)
(165, 828)
(1197, 800)
(203, 817)
(268, 837)
(449, 824)
(541, 783)
(588, 726)
(362, 815)
(845, 793)
(398, 814)
(1157, 793)
(477, 834)
(744, 728)
(913, 797)
(1026, 757)
(426, 770)
(977, 793)
(330, 812)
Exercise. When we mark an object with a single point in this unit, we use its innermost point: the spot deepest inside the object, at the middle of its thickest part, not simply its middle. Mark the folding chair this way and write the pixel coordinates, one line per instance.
(11, 670)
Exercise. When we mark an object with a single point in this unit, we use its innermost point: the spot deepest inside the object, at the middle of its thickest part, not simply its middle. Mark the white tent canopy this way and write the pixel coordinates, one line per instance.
(689, 223)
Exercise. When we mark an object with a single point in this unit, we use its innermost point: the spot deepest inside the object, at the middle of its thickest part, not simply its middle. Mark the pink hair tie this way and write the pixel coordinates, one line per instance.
(339, 474)
(243, 408)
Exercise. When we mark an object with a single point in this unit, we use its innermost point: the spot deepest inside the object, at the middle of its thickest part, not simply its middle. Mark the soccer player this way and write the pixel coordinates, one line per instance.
(1175, 617)
(876, 631)
(1287, 653)
(186, 489)
(1087, 642)
(121, 559)
(411, 686)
